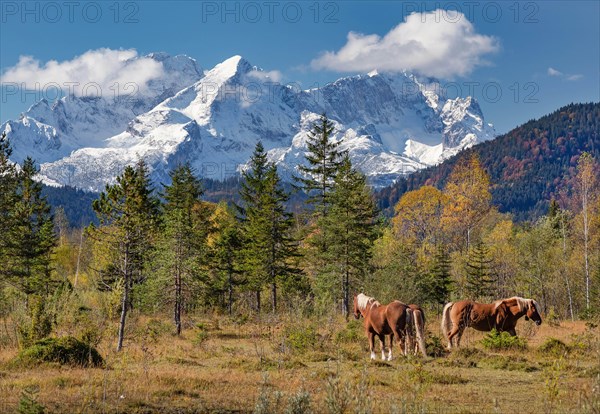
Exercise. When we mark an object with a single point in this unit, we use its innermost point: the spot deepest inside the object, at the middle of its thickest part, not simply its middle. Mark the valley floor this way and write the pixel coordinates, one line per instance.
(283, 364)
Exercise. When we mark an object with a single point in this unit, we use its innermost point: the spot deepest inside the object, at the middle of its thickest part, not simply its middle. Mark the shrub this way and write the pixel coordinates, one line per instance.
(434, 346)
(65, 350)
(28, 403)
(301, 338)
(299, 403)
(554, 347)
(503, 340)
(350, 333)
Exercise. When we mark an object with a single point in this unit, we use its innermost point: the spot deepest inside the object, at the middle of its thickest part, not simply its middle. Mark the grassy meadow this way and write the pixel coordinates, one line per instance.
(285, 364)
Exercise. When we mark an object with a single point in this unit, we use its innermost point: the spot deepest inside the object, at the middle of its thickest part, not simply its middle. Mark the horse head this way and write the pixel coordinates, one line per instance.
(533, 312)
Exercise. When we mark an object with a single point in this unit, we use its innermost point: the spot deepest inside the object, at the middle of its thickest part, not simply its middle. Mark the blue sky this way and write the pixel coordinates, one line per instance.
(540, 55)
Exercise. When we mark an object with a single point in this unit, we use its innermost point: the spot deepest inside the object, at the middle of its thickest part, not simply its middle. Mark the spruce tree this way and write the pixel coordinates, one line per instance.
(438, 281)
(324, 160)
(31, 236)
(226, 256)
(267, 227)
(128, 214)
(253, 226)
(184, 234)
(350, 229)
(8, 200)
(480, 275)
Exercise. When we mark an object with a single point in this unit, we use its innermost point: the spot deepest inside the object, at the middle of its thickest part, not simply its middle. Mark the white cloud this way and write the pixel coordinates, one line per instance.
(442, 47)
(554, 72)
(112, 70)
(557, 73)
(266, 76)
(574, 77)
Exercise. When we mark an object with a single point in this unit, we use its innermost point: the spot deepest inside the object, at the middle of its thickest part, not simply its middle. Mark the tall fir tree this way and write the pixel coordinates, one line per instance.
(31, 235)
(226, 256)
(480, 274)
(8, 200)
(186, 227)
(439, 281)
(269, 247)
(350, 229)
(128, 213)
(324, 160)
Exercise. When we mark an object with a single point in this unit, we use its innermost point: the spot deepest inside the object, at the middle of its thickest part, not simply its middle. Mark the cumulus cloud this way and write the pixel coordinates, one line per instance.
(266, 76)
(554, 72)
(442, 47)
(102, 71)
(558, 74)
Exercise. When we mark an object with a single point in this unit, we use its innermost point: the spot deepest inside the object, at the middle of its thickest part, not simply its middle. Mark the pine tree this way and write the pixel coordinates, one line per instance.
(439, 280)
(267, 226)
(251, 190)
(128, 214)
(480, 275)
(8, 200)
(324, 160)
(184, 234)
(350, 229)
(31, 236)
(226, 255)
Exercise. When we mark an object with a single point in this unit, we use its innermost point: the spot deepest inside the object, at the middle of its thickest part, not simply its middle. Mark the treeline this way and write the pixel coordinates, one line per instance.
(158, 250)
(528, 166)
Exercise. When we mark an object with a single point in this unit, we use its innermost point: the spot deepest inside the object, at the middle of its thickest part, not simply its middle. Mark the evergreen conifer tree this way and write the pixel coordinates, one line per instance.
(350, 229)
(480, 275)
(128, 213)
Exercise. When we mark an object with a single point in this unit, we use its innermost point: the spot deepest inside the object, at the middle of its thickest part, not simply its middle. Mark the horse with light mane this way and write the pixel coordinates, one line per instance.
(415, 338)
(501, 315)
(383, 320)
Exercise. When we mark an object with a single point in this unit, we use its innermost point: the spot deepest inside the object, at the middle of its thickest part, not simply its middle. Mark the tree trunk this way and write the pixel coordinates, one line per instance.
(258, 302)
(124, 308)
(274, 296)
(178, 300)
(230, 295)
(569, 294)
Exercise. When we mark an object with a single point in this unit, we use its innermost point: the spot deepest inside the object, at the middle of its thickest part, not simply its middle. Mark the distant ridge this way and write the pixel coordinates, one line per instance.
(528, 166)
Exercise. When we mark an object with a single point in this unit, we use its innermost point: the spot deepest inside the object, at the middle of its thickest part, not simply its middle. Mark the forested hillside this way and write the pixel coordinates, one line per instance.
(528, 166)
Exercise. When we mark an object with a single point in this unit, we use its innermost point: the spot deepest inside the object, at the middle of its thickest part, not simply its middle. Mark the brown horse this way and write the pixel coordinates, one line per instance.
(382, 320)
(415, 338)
(502, 315)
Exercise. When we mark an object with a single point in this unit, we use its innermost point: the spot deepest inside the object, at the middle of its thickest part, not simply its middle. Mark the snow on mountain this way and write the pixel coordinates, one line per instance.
(391, 125)
(50, 131)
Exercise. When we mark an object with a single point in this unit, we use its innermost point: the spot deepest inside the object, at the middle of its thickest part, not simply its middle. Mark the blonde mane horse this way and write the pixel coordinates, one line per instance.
(383, 320)
(501, 315)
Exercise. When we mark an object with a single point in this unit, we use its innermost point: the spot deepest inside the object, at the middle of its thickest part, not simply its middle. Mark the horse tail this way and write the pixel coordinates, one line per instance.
(419, 318)
(409, 330)
(446, 320)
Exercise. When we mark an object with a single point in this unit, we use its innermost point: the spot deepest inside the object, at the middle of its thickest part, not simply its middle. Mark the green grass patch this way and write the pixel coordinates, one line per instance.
(508, 363)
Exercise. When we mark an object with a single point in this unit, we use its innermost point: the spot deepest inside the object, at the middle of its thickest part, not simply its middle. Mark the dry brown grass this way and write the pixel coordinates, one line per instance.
(224, 367)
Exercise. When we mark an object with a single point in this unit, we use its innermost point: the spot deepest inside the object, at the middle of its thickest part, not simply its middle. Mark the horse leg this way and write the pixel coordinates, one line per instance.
(371, 336)
(382, 342)
(389, 358)
(512, 332)
(456, 330)
(459, 335)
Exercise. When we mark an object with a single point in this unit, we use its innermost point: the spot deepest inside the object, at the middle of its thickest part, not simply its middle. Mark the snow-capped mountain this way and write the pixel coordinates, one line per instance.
(48, 131)
(391, 124)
